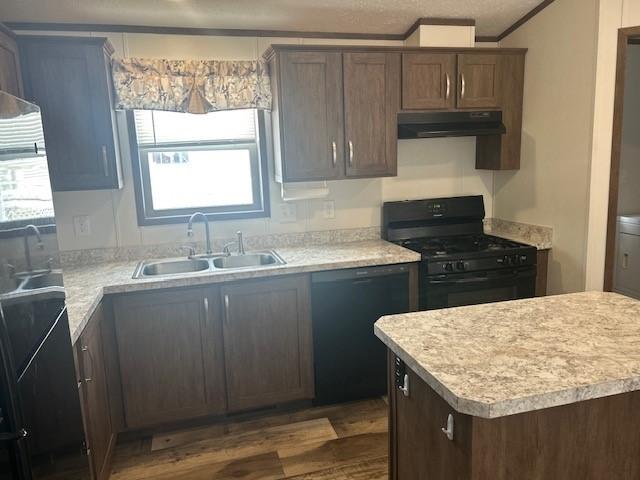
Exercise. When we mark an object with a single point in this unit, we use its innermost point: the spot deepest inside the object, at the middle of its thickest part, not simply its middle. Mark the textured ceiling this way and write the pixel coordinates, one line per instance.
(353, 16)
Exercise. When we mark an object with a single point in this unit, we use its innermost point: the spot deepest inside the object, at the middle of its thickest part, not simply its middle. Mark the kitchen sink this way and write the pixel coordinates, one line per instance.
(173, 267)
(185, 266)
(43, 280)
(248, 260)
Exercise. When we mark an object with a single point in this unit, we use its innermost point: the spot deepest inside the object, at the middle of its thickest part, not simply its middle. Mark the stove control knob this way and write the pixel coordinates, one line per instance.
(515, 260)
(448, 267)
(523, 259)
(461, 266)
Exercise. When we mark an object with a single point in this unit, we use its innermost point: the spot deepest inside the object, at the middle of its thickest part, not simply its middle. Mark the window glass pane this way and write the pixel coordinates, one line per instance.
(157, 127)
(25, 191)
(200, 178)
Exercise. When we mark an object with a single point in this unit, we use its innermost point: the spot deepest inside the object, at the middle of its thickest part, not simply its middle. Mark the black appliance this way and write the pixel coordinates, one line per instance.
(461, 265)
(350, 361)
(449, 124)
(41, 428)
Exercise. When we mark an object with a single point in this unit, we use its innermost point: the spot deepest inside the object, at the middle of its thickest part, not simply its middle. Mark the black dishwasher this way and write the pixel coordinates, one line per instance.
(350, 361)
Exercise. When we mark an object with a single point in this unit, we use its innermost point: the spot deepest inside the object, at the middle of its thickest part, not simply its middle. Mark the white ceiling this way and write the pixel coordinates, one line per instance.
(353, 16)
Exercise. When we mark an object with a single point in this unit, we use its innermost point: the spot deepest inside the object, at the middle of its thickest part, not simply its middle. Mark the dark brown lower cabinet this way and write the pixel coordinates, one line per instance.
(589, 440)
(170, 352)
(267, 342)
(94, 393)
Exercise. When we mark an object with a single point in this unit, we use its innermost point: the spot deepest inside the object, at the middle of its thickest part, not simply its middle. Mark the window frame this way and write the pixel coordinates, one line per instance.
(260, 186)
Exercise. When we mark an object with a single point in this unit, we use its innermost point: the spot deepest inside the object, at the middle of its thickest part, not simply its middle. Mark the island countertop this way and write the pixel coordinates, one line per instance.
(505, 358)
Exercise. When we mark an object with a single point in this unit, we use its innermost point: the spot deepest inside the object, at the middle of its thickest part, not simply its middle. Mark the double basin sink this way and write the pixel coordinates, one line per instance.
(162, 268)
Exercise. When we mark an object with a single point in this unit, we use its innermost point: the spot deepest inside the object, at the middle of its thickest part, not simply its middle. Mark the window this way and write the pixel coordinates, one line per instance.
(213, 163)
(25, 191)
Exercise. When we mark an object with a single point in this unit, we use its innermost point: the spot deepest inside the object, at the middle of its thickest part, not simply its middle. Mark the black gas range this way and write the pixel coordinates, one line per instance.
(461, 265)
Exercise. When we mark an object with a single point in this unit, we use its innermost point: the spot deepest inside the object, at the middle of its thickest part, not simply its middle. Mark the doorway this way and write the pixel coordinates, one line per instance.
(622, 261)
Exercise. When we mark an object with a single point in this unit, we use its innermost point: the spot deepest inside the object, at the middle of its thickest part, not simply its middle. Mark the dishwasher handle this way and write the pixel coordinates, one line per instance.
(359, 273)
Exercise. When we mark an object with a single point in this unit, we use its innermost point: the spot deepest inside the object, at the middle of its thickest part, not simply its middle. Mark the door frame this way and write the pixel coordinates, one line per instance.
(626, 36)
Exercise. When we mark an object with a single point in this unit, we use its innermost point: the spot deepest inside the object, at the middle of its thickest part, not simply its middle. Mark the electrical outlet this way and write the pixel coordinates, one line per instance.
(329, 209)
(82, 226)
(288, 212)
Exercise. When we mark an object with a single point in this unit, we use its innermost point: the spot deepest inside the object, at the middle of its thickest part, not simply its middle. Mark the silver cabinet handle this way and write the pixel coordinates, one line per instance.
(405, 385)
(206, 309)
(226, 308)
(105, 160)
(448, 94)
(350, 152)
(463, 81)
(625, 260)
(86, 350)
(334, 152)
(448, 431)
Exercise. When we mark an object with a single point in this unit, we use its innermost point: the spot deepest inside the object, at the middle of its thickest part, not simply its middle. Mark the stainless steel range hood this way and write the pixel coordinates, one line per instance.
(449, 124)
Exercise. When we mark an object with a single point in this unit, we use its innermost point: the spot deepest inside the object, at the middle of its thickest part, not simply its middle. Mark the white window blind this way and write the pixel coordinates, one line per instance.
(160, 128)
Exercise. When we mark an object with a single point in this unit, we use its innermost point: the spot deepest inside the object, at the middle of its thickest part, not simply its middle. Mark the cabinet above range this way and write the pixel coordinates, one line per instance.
(335, 108)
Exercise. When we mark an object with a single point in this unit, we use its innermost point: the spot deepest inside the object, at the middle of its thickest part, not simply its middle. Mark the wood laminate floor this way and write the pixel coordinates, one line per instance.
(344, 442)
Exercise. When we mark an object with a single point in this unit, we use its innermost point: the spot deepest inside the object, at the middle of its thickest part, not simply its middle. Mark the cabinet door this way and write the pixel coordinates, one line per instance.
(267, 342)
(428, 81)
(479, 81)
(310, 93)
(419, 447)
(95, 396)
(371, 105)
(10, 78)
(170, 355)
(69, 80)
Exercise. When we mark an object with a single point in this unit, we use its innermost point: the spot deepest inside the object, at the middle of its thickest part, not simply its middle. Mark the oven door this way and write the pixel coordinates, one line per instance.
(455, 290)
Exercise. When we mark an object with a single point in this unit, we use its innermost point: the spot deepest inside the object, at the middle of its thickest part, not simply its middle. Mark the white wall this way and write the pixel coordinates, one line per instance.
(613, 15)
(629, 191)
(427, 168)
(552, 186)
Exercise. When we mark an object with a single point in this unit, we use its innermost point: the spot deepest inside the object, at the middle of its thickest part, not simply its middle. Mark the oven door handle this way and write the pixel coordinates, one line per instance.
(482, 279)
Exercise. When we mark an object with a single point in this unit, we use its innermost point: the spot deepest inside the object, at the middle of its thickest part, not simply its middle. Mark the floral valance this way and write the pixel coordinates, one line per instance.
(193, 86)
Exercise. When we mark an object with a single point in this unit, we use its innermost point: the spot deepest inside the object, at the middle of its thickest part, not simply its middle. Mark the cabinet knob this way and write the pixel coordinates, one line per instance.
(448, 430)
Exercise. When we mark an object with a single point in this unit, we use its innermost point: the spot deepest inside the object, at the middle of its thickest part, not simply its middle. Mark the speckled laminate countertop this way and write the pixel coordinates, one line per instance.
(85, 286)
(505, 358)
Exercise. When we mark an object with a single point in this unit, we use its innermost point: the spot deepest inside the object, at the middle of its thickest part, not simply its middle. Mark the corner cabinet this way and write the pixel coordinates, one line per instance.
(334, 113)
(10, 76)
(94, 395)
(70, 79)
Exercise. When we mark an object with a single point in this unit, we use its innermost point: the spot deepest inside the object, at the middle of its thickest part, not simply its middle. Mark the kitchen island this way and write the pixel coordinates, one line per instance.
(545, 388)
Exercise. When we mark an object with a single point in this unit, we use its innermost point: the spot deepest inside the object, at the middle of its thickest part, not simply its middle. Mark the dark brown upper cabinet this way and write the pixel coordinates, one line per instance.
(322, 97)
(70, 79)
(10, 76)
(371, 104)
(428, 81)
(311, 127)
(479, 81)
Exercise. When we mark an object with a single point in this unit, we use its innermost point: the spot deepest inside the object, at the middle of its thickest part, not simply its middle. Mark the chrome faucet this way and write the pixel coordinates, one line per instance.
(27, 251)
(205, 220)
